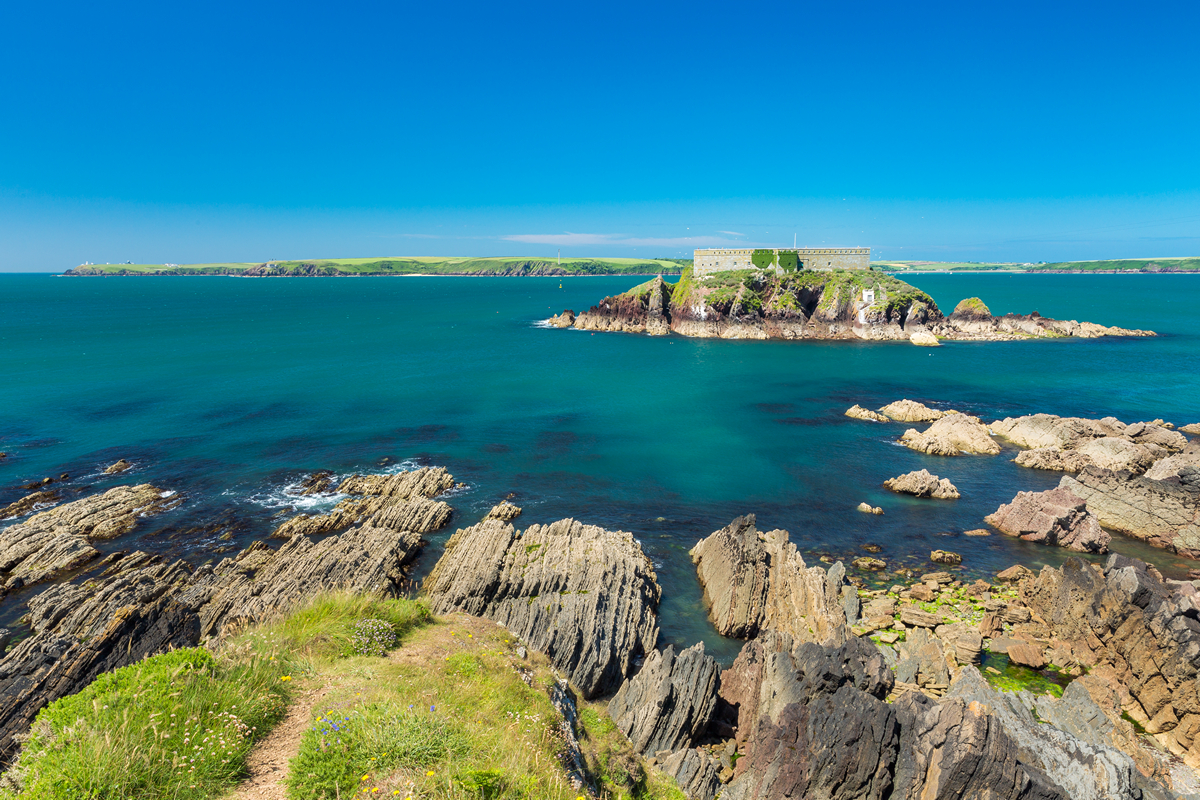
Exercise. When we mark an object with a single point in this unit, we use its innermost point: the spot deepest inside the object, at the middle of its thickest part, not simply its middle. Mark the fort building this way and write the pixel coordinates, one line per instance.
(706, 262)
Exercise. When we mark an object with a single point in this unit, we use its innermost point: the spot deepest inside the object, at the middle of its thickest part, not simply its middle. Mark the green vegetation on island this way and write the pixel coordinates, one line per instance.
(1140, 265)
(407, 265)
(408, 706)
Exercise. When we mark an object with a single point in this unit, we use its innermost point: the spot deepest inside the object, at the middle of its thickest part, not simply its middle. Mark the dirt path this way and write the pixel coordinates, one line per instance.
(268, 761)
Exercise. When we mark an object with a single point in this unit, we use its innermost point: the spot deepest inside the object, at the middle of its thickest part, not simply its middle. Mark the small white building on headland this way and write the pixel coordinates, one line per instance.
(783, 259)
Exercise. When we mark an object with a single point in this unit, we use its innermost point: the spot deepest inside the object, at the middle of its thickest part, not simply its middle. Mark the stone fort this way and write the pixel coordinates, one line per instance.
(706, 262)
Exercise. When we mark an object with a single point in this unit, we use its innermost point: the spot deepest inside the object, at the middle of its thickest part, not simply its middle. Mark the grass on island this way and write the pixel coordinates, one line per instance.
(1152, 265)
(402, 705)
(412, 265)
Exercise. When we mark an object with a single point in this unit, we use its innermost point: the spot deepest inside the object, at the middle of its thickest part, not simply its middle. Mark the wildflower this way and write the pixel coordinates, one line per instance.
(429, 773)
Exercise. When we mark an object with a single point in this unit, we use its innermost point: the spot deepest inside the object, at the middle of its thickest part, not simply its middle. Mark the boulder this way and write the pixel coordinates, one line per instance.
(1055, 517)
(585, 596)
(120, 466)
(695, 771)
(952, 435)
(54, 542)
(1015, 574)
(867, 508)
(319, 482)
(945, 557)
(1049, 430)
(564, 320)
(1027, 655)
(1192, 428)
(923, 338)
(670, 702)
(1155, 434)
(868, 563)
(400, 501)
(504, 511)
(1173, 468)
(911, 411)
(923, 484)
(755, 580)
(913, 616)
(858, 412)
(1162, 513)
(1110, 452)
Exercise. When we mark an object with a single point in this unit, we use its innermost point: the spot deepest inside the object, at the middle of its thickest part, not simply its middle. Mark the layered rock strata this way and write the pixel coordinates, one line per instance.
(755, 581)
(1055, 517)
(402, 502)
(952, 435)
(1163, 513)
(57, 541)
(584, 596)
(923, 484)
(669, 704)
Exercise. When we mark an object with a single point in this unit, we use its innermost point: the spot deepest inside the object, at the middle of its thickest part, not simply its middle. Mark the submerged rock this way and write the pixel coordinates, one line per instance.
(754, 581)
(858, 412)
(1055, 517)
(923, 484)
(584, 596)
(120, 466)
(952, 435)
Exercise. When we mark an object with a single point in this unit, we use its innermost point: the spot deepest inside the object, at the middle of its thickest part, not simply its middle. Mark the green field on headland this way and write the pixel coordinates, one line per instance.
(402, 265)
(1147, 265)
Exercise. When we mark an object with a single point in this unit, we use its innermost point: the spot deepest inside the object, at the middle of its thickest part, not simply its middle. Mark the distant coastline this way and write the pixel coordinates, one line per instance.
(576, 267)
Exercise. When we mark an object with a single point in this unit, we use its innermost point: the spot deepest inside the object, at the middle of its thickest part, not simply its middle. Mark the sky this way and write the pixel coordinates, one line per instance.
(188, 132)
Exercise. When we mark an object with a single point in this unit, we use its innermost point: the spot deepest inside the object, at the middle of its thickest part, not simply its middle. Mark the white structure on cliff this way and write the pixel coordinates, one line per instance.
(706, 262)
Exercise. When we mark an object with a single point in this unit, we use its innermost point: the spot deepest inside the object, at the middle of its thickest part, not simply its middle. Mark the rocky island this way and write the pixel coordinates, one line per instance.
(832, 304)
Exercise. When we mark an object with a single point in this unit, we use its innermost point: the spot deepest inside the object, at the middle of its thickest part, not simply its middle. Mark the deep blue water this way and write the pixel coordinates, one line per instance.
(228, 390)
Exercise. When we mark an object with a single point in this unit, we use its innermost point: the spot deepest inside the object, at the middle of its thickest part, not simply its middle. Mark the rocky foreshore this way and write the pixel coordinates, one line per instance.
(841, 304)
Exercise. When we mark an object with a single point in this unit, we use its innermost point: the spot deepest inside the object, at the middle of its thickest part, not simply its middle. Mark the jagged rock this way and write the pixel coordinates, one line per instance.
(1163, 513)
(1014, 574)
(317, 483)
(1148, 433)
(869, 563)
(1055, 517)
(858, 412)
(756, 580)
(922, 659)
(1052, 458)
(695, 771)
(401, 501)
(867, 508)
(56, 541)
(945, 557)
(951, 435)
(1027, 655)
(923, 338)
(923, 484)
(564, 320)
(911, 411)
(504, 511)
(584, 596)
(670, 702)
(30, 502)
(120, 466)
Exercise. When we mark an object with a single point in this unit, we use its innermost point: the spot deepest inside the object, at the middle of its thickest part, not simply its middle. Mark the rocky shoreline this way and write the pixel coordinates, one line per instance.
(839, 690)
(842, 304)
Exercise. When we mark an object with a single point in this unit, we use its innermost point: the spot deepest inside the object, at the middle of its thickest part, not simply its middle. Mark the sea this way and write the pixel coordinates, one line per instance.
(230, 391)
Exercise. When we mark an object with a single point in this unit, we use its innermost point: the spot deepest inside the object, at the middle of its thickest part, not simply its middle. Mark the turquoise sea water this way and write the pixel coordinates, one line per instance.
(228, 390)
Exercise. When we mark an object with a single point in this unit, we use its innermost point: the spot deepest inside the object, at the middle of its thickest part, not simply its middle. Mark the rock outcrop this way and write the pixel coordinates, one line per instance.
(584, 596)
(1134, 631)
(504, 511)
(867, 508)
(911, 411)
(118, 467)
(923, 338)
(564, 320)
(669, 704)
(952, 435)
(1055, 517)
(755, 581)
(1071, 444)
(30, 502)
(401, 501)
(1163, 513)
(858, 412)
(923, 484)
(54, 542)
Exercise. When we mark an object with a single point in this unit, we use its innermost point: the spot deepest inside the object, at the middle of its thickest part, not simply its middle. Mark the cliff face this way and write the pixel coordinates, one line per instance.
(840, 304)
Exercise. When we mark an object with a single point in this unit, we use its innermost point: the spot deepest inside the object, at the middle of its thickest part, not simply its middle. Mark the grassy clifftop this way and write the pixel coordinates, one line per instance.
(1150, 265)
(401, 265)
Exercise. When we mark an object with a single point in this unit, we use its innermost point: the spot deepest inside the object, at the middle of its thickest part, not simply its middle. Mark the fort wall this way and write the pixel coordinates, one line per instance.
(708, 261)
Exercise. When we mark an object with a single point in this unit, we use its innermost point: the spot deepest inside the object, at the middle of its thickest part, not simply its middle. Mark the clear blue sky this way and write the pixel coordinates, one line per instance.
(249, 131)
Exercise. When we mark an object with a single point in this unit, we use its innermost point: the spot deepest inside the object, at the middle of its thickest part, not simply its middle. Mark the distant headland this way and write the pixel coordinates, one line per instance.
(561, 267)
